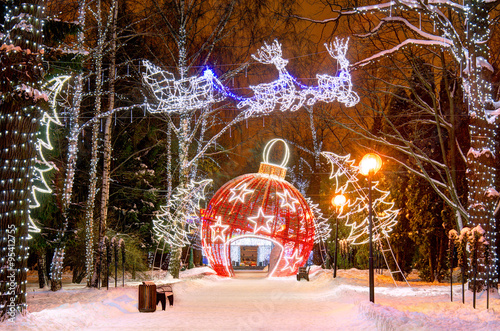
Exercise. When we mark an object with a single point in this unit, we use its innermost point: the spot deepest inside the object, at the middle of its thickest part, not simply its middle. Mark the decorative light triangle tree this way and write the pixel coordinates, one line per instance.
(355, 211)
(178, 220)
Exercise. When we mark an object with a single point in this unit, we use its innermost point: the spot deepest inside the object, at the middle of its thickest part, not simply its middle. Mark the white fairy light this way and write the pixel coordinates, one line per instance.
(178, 220)
(182, 95)
(345, 175)
(322, 228)
(286, 93)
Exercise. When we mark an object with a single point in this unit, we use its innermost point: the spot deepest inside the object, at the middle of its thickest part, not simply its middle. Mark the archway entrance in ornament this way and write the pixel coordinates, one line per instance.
(253, 256)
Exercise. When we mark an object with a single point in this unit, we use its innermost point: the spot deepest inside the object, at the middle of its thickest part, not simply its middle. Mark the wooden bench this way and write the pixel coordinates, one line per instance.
(163, 292)
(303, 273)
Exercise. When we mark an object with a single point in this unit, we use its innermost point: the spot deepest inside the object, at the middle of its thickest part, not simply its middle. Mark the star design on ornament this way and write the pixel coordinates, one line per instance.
(218, 230)
(239, 192)
(292, 261)
(265, 222)
(287, 200)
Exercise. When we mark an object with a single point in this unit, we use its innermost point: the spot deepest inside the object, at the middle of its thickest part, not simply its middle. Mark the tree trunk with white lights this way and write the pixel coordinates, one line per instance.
(21, 62)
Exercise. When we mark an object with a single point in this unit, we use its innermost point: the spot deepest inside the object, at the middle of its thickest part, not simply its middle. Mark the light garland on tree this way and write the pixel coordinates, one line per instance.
(42, 166)
(355, 213)
(23, 27)
(178, 220)
(482, 152)
(287, 93)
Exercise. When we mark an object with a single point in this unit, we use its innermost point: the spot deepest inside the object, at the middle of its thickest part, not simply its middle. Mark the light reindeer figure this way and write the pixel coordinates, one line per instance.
(338, 88)
(281, 94)
(286, 93)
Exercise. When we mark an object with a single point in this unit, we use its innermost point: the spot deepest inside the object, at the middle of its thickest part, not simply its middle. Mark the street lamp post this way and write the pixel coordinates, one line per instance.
(338, 201)
(369, 165)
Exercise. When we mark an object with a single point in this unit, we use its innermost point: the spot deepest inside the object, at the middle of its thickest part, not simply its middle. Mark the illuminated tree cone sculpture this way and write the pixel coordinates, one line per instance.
(261, 205)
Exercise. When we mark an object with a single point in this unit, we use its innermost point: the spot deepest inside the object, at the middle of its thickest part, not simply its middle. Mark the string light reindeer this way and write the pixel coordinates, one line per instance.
(286, 93)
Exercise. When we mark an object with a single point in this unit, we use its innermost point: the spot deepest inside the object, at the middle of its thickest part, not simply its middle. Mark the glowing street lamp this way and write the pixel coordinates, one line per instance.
(369, 165)
(338, 201)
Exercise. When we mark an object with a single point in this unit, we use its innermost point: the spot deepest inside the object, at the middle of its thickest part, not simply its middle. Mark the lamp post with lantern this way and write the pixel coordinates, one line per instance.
(369, 165)
(338, 202)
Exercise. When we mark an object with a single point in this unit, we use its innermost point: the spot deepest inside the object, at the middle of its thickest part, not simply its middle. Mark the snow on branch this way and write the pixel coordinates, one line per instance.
(397, 19)
(491, 192)
(406, 42)
(478, 153)
(412, 4)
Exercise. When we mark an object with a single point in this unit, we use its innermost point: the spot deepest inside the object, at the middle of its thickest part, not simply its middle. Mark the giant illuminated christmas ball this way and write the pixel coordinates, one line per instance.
(262, 205)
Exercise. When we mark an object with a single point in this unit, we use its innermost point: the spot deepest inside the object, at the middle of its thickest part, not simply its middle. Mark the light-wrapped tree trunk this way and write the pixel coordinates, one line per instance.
(21, 62)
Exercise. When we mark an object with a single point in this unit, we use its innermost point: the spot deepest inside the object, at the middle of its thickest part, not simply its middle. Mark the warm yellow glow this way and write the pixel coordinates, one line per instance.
(339, 200)
(370, 164)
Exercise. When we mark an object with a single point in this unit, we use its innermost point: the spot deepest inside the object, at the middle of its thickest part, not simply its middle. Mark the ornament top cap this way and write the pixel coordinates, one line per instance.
(274, 169)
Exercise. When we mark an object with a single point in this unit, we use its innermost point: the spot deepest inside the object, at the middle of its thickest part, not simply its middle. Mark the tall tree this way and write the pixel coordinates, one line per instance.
(71, 106)
(22, 100)
(462, 30)
(105, 20)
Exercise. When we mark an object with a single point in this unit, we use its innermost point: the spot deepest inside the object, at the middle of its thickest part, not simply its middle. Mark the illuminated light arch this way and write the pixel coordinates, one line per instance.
(227, 246)
(260, 213)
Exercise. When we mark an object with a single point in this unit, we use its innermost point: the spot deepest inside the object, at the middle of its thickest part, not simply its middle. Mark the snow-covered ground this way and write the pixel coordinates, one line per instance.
(204, 301)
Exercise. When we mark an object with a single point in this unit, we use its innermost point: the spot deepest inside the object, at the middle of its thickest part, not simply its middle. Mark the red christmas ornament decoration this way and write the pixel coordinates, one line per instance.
(262, 205)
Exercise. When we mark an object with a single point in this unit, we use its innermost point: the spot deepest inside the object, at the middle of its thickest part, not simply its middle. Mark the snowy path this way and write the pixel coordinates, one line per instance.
(257, 304)
(214, 303)
(248, 304)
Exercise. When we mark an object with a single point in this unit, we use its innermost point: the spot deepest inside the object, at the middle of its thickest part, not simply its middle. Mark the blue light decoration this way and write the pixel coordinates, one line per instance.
(285, 93)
